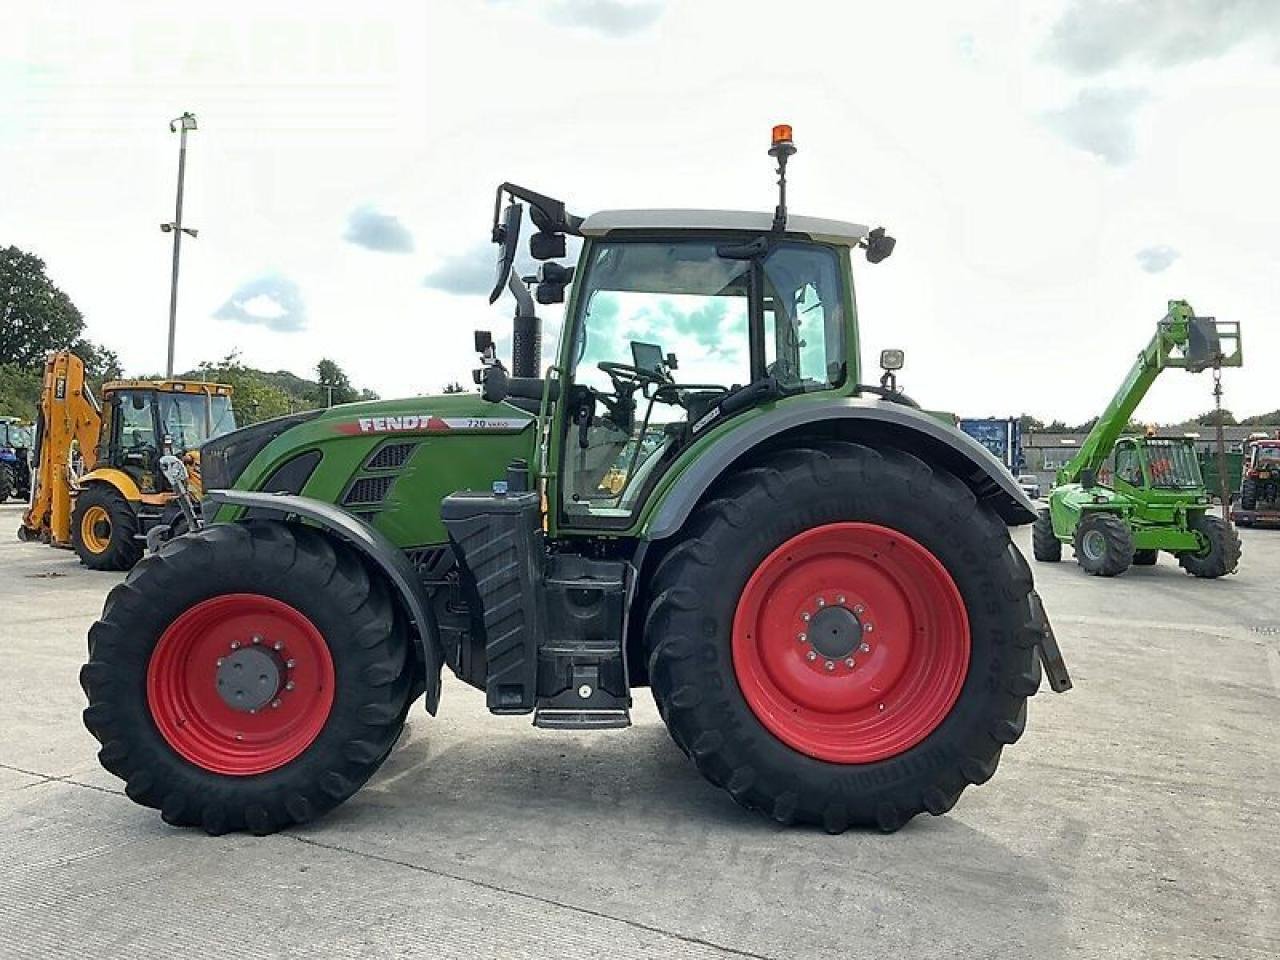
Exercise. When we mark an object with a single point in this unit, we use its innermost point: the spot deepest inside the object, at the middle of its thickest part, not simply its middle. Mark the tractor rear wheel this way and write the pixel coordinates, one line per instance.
(6, 482)
(103, 529)
(1045, 545)
(1249, 494)
(1145, 558)
(1103, 544)
(247, 677)
(1221, 552)
(843, 636)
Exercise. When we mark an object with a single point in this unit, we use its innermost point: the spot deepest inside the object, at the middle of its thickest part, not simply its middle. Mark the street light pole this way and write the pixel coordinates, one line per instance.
(183, 123)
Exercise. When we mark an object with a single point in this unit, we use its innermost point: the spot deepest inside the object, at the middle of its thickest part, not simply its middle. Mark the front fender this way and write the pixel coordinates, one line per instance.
(115, 478)
(375, 547)
(855, 418)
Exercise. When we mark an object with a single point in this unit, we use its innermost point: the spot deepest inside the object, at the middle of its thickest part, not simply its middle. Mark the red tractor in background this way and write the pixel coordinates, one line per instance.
(1259, 481)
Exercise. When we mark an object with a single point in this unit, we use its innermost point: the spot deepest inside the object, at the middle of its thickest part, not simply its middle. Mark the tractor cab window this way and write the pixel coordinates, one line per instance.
(1172, 465)
(1128, 466)
(136, 416)
(1266, 453)
(189, 419)
(662, 333)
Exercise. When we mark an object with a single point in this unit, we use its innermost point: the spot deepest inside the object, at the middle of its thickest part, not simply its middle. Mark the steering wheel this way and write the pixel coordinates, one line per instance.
(631, 374)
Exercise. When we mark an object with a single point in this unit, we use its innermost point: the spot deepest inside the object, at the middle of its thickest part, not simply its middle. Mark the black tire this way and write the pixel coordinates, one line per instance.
(1145, 558)
(6, 482)
(696, 587)
(118, 547)
(1249, 494)
(1103, 544)
(363, 630)
(1045, 545)
(1220, 557)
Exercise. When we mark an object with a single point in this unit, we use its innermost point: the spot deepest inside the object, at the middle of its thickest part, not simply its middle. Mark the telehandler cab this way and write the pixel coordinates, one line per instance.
(1156, 499)
(814, 577)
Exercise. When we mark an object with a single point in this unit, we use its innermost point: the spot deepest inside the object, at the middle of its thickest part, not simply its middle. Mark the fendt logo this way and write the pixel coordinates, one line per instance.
(416, 423)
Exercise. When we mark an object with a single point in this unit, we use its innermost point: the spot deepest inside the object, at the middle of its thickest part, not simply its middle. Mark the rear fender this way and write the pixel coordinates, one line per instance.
(123, 483)
(373, 545)
(876, 422)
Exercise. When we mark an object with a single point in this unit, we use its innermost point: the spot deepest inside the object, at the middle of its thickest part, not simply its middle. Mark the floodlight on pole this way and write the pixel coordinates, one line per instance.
(183, 123)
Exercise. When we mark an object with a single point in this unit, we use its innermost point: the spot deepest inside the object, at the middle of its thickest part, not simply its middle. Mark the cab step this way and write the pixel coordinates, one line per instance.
(552, 718)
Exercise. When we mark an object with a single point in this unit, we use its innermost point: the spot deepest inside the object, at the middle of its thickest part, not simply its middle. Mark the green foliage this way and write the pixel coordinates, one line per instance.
(454, 387)
(19, 391)
(38, 317)
(253, 397)
(1210, 419)
(1262, 420)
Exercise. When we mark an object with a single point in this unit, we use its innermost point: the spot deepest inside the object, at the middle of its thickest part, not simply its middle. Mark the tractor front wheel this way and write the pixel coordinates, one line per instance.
(104, 529)
(1249, 494)
(844, 636)
(1221, 549)
(247, 677)
(1045, 545)
(1103, 544)
(6, 482)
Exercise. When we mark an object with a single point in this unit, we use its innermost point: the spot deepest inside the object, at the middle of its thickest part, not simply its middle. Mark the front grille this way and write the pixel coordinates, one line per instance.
(390, 455)
(368, 490)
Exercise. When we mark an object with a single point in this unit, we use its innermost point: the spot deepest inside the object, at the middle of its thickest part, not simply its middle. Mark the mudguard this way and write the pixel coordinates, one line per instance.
(872, 420)
(372, 544)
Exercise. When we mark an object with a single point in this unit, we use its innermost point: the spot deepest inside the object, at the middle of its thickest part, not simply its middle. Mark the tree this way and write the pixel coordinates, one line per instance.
(335, 385)
(1031, 424)
(1262, 420)
(454, 387)
(37, 316)
(253, 398)
(1210, 419)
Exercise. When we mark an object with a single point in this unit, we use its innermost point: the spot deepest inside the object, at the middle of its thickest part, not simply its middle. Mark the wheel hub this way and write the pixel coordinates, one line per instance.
(250, 678)
(835, 632)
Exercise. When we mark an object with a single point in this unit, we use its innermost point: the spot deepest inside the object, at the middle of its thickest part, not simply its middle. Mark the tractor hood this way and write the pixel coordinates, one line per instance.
(385, 461)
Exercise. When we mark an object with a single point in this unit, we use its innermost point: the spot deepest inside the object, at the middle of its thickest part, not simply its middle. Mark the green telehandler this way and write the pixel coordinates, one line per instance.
(814, 577)
(1156, 499)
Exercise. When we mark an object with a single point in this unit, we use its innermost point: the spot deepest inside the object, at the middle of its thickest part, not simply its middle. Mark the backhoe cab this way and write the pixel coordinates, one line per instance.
(697, 494)
(1156, 498)
(100, 484)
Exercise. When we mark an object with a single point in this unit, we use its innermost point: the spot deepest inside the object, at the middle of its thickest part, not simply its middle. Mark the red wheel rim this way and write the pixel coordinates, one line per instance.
(188, 662)
(867, 590)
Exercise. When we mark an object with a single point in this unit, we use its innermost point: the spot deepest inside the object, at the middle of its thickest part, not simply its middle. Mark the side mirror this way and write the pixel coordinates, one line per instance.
(879, 245)
(552, 279)
(1088, 479)
(546, 246)
(506, 235)
(892, 359)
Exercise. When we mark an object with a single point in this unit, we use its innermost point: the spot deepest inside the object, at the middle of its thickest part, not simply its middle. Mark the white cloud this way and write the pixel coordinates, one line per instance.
(270, 301)
(612, 18)
(1156, 259)
(1093, 36)
(1100, 120)
(381, 232)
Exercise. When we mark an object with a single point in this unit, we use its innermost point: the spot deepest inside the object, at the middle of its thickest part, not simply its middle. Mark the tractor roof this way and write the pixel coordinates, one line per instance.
(816, 228)
(170, 386)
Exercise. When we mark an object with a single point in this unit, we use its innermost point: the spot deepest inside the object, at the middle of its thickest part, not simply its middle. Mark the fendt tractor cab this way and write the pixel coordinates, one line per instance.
(15, 467)
(1156, 499)
(1259, 481)
(101, 486)
(698, 494)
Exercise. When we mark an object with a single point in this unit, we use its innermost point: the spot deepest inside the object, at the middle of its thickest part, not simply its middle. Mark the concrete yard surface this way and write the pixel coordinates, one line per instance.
(1139, 817)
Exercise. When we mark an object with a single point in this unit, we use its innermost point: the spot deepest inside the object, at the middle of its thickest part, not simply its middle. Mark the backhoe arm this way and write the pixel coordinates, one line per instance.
(68, 413)
(1181, 340)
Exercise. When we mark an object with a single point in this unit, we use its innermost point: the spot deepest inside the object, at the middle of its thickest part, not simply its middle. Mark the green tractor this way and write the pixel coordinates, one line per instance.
(1156, 499)
(814, 577)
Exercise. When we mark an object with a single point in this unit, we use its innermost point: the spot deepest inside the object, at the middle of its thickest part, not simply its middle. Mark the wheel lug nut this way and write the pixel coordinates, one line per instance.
(865, 648)
(840, 600)
(220, 662)
(811, 655)
(849, 663)
(275, 703)
(235, 644)
(257, 639)
(868, 628)
(290, 663)
(802, 638)
(829, 665)
(858, 608)
(805, 616)
(289, 685)
(821, 602)
(277, 645)
(239, 736)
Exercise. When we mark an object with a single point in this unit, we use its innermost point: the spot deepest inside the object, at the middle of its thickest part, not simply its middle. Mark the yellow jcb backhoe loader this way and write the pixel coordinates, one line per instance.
(97, 483)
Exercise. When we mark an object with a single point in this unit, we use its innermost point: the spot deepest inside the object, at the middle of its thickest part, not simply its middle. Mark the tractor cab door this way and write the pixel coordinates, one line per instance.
(661, 331)
(131, 431)
(1128, 473)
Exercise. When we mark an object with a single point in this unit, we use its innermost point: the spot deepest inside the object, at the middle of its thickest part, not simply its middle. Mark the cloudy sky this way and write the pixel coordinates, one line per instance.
(1054, 172)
